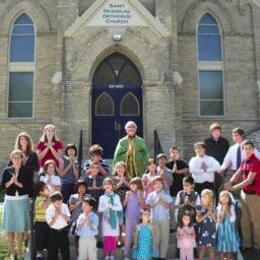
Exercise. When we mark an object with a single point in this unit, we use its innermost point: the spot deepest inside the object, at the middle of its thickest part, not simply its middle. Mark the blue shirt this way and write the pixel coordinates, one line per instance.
(90, 228)
(69, 178)
(159, 212)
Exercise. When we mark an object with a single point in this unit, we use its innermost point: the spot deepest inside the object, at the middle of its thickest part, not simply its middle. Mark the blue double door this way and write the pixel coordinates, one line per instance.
(112, 107)
(116, 99)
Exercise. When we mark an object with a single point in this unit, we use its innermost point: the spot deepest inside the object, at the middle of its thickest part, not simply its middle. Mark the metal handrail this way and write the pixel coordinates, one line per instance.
(157, 144)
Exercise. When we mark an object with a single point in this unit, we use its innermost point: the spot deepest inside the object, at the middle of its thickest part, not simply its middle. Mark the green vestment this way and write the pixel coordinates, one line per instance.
(136, 160)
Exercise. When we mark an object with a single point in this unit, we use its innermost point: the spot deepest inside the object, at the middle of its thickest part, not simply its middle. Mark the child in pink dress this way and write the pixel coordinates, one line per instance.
(186, 237)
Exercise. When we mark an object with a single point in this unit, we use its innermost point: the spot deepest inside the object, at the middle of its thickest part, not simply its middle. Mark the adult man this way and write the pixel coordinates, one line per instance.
(133, 151)
(216, 145)
(235, 155)
(249, 171)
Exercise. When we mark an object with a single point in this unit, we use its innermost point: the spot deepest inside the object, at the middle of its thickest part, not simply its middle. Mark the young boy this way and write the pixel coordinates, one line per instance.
(58, 216)
(87, 226)
(94, 181)
(160, 203)
(95, 154)
(179, 169)
(203, 168)
(187, 199)
(164, 172)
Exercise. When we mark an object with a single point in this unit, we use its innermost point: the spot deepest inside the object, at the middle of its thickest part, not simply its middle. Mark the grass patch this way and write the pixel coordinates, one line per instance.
(4, 252)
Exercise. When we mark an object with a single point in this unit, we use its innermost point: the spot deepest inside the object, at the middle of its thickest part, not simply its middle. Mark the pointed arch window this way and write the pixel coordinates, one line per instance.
(22, 40)
(104, 105)
(129, 105)
(21, 68)
(210, 67)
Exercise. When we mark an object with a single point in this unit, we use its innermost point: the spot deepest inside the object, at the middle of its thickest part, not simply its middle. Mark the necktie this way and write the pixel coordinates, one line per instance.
(238, 156)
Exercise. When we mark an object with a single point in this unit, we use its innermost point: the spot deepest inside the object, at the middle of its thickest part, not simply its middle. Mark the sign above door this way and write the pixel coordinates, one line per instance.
(117, 13)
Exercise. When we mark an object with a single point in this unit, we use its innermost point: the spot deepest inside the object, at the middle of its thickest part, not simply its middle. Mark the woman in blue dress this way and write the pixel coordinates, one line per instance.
(227, 237)
(207, 219)
(143, 248)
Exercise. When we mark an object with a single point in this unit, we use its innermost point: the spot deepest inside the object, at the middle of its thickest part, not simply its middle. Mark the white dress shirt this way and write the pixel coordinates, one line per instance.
(199, 175)
(60, 222)
(230, 160)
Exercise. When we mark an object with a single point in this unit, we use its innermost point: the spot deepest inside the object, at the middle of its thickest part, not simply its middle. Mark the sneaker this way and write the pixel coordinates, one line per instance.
(112, 257)
(126, 257)
(39, 256)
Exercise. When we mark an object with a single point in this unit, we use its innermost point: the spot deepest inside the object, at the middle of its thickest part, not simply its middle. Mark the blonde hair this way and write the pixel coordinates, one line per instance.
(108, 180)
(208, 193)
(231, 199)
(15, 152)
(121, 164)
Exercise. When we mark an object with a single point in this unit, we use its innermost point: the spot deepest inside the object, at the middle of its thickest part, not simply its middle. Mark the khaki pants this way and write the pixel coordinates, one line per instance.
(250, 220)
(161, 237)
(87, 248)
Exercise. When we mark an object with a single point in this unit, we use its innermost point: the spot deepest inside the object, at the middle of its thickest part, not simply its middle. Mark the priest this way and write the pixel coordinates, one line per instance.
(133, 151)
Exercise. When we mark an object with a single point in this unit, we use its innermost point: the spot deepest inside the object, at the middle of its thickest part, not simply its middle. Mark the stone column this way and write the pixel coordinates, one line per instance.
(159, 111)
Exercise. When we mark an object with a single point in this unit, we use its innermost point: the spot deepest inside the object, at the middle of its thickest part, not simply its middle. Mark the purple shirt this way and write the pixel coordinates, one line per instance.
(133, 207)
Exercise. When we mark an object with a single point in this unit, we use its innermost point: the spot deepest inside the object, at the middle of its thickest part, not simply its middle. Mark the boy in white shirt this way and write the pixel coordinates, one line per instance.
(203, 168)
(87, 229)
(58, 216)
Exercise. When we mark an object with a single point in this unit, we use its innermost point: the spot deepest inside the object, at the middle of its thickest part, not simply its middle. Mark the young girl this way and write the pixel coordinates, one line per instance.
(143, 247)
(75, 207)
(147, 178)
(207, 219)
(186, 236)
(121, 180)
(121, 187)
(227, 238)
(49, 147)
(41, 227)
(134, 202)
(94, 181)
(110, 205)
(50, 177)
(69, 171)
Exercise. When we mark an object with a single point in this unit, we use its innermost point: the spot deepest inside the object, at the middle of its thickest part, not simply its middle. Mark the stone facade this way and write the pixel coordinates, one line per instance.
(170, 108)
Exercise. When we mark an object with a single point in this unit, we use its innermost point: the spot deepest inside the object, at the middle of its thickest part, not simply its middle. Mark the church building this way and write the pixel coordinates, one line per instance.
(171, 66)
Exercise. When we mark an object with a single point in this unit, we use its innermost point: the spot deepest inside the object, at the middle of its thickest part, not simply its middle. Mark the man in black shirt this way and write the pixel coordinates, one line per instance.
(216, 145)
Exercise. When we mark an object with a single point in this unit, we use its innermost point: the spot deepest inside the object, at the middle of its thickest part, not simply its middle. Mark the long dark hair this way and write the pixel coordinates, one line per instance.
(182, 214)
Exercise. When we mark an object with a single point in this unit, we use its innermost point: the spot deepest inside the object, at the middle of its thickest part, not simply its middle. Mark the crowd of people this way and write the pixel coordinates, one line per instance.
(136, 204)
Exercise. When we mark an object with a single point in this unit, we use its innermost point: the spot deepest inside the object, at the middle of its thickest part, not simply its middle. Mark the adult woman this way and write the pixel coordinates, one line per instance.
(30, 159)
(49, 147)
(16, 217)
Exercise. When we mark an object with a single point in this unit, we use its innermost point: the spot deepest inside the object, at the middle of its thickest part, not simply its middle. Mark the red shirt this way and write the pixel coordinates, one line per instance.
(251, 165)
(42, 145)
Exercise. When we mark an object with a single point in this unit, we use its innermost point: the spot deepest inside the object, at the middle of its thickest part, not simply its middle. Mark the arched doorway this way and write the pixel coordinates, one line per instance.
(116, 99)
